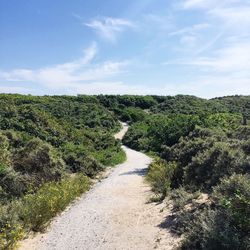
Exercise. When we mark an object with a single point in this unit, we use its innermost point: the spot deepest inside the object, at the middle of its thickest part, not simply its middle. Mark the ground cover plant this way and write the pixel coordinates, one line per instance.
(51, 146)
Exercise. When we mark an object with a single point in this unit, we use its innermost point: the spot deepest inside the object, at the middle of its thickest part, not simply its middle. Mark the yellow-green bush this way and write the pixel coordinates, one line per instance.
(10, 235)
(11, 230)
(39, 208)
(34, 211)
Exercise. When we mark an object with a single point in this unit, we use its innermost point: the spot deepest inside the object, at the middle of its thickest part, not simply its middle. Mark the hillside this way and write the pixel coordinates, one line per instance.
(52, 146)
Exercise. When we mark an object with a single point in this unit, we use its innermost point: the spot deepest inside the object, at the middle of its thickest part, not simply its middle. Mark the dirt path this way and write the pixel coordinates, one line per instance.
(122, 132)
(113, 215)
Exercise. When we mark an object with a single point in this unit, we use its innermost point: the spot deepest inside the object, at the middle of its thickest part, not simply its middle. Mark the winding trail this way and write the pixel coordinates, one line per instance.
(114, 214)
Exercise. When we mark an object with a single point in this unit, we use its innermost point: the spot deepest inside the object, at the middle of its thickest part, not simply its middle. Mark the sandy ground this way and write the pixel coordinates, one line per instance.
(122, 132)
(115, 214)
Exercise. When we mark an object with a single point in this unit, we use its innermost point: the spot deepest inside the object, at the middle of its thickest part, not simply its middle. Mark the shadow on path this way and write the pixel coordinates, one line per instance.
(137, 171)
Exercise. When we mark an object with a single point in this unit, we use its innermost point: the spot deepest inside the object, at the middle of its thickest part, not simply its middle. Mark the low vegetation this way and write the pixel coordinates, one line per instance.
(51, 146)
(35, 209)
(202, 167)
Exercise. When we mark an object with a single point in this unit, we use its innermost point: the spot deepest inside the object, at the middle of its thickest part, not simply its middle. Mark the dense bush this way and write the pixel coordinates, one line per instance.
(209, 159)
(213, 229)
(35, 134)
(233, 194)
(204, 145)
(181, 197)
(4, 152)
(40, 160)
(160, 175)
(35, 210)
(11, 229)
(207, 167)
(226, 224)
(205, 148)
(42, 140)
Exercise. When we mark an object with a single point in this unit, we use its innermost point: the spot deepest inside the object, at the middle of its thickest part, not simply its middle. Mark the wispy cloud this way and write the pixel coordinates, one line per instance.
(191, 30)
(70, 75)
(109, 27)
(232, 58)
(233, 17)
(190, 36)
(196, 4)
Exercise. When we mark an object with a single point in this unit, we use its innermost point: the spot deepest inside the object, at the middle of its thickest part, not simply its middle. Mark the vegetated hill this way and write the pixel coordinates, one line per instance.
(203, 166)
(79, 129)
(47, 146)
(185, 104)
(48, 143)
(133, 108)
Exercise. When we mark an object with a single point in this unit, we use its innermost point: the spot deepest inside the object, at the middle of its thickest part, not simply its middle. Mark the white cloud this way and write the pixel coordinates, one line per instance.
(188, 40)
(196, 4)
(233, 17)
(67, 75)
(109, 27)
(17, 75)
(231, 58)
(190, 36)
(109, 87)
(14, 90)
(192, 29)
(213, 86)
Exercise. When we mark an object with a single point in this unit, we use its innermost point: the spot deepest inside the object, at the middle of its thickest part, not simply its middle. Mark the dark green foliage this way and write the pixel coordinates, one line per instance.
(226, 224)
(233, 194)
(116, 101)
(39, 159)
(206, 168)
(204, 146)
(78, 161)
(136, 137)
(214, 229)
(130, 114)
(44, 138)
(166, 130)
(184, 104)
(158, 131)
(181, 197)
(4, 152)
(13, 184)
(236, 104)
(207, 143)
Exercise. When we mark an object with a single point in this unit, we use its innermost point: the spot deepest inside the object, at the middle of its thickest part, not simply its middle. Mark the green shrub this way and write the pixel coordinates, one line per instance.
(83, 164)
(222, 120)
(4, 151)
(214, 229)
(36, 210)
(209, 166)
(13, 184)
(180, 197)
(159, 176)
(111, 156)
(11, 230)
(41, 160)
(226, 224)
(136, 137)
(233, 194)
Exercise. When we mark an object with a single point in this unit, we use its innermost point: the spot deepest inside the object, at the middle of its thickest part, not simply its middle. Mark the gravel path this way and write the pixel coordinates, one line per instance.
(113, 215)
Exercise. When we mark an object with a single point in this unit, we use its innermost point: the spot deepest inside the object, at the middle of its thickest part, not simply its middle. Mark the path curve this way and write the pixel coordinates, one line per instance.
(113, 215)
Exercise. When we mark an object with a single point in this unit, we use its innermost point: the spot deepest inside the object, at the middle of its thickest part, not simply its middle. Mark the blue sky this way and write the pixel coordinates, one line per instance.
(198, 47)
